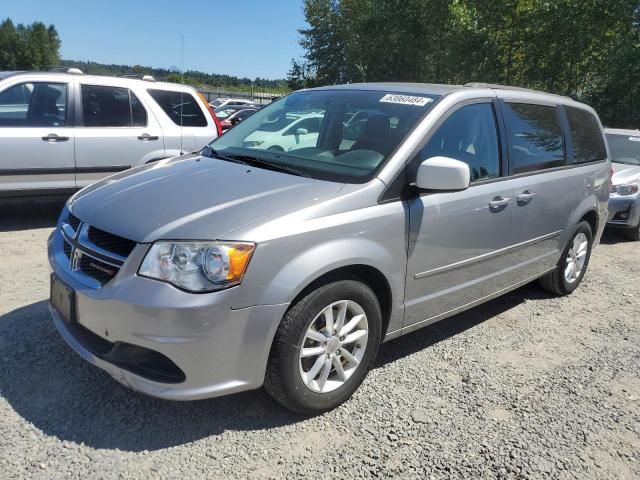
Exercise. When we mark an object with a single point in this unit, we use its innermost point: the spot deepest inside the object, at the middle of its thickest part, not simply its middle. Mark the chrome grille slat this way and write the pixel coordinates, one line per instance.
(92, 252)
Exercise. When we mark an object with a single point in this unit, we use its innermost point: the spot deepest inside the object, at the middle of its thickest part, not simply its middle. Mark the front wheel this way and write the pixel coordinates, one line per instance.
(573, 263)
(324, 347)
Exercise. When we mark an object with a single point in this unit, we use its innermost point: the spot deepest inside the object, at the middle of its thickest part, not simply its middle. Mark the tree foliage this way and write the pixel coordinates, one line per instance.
(191, 77)
(589, 49)
(30, 47)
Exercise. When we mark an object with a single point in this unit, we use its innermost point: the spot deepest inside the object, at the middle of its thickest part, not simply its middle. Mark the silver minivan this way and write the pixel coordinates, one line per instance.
(241, 267)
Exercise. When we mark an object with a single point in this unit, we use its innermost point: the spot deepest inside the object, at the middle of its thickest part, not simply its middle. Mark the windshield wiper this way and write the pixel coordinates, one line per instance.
(258, 162)
(210, 152)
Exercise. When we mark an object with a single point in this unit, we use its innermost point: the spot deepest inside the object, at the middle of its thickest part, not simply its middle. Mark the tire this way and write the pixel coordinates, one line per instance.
(556, 281)
(276, 148)
(284, 379)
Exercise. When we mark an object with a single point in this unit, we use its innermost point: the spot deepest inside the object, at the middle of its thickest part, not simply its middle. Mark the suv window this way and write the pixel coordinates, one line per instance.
(470, 135)
(588, 144)
(181, 107)
(535, 137)
(36, 104)
(105, 106)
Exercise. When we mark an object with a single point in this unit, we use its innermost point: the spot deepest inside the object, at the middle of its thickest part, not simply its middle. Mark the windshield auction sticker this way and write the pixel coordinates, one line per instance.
(632, 139)
(405, 100)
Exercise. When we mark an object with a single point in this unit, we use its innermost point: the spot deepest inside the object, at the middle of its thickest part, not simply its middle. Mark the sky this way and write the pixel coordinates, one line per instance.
(246, 38)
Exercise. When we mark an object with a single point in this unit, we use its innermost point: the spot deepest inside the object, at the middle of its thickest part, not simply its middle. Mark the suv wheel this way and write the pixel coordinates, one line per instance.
(573, 263)
(324, 347)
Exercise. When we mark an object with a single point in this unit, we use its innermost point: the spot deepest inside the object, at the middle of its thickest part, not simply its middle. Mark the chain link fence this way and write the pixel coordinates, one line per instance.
(255, 96)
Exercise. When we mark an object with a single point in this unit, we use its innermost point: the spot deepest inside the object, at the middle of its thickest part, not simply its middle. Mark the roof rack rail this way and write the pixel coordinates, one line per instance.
(495, 86)
(139, 76)
(70, 70)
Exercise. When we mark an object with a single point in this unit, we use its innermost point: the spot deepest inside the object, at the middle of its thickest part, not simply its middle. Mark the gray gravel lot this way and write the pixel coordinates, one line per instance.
(526, 386)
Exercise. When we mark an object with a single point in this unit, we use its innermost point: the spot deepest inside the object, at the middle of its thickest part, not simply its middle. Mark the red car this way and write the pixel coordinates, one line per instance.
(232, 116)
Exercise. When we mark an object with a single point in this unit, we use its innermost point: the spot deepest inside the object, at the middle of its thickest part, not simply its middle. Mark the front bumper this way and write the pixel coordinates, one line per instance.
(624, 211)
(219, 349)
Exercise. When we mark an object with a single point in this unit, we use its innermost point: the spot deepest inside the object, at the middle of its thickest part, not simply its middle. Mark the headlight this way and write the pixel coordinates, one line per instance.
(197, 266)
(252, 143)
(625, 189)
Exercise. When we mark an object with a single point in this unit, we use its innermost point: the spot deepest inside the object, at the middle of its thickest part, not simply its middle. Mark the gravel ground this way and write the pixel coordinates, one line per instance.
(526, 386)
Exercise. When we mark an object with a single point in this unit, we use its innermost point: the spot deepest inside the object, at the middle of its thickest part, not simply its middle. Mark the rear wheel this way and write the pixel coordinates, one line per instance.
(572, 266)
(324, 347)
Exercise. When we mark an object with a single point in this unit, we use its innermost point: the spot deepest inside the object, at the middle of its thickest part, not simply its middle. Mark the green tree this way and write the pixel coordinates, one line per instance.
(31, 47)
(589, 49)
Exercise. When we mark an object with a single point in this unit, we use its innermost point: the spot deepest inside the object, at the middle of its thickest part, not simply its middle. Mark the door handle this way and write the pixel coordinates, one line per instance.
(145, 137)
(499, 203)
(525, 197)
(52, 137)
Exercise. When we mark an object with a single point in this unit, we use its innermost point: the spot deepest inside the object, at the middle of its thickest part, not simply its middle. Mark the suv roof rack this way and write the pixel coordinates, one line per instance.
(69, 70)
(146, 78)
(495, 86)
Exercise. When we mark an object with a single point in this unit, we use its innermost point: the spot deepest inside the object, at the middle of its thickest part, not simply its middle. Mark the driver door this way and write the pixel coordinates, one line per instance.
(457, 239)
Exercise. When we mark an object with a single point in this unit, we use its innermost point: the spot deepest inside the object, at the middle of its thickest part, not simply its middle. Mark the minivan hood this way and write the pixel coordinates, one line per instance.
(192, 198)
(624, 173)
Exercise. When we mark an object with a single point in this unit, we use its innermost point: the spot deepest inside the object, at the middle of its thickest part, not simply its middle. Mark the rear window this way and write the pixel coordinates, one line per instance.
(105, 106)
(181, 107)
(588, 143)
(535, 137)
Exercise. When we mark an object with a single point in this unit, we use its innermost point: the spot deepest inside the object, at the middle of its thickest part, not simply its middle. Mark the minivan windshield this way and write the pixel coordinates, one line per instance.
(624, 148)
(336, 135)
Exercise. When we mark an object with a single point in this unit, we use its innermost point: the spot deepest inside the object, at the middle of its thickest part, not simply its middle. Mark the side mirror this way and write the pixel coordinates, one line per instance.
(302, 131)
(443, 173)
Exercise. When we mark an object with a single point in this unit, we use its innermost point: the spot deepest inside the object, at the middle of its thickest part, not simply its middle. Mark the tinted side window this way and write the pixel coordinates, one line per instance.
(469, 135)
(535, 137)
(138, 112)
(34, 105)
(182, 108)
(105, 106)
(588, 144)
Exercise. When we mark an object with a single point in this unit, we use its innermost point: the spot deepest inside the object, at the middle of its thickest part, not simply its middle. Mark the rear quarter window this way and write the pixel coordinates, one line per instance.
(535, 137)
(586, 136)
(181, 107)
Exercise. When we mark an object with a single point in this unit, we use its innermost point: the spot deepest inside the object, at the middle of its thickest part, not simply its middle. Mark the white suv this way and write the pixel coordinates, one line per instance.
(61, 131)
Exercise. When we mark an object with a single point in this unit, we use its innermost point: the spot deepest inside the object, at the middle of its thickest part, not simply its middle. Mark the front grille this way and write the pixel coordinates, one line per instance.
(110, 242)
(67, 249)
(95, 254)
(73, 221)
(101, 271)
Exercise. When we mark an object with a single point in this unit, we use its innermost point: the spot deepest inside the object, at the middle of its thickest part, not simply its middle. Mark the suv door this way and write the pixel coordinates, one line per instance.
(186, 123)
(546, 192)
(36, 139)
(458, 240)
(115, 132)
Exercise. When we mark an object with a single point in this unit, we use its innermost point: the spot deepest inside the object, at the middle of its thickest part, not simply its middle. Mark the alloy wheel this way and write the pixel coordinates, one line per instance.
(576, 257)
(333, 346)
